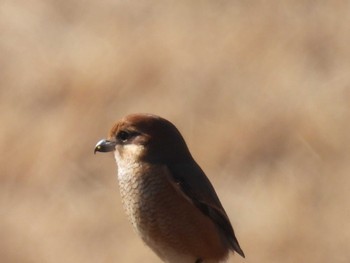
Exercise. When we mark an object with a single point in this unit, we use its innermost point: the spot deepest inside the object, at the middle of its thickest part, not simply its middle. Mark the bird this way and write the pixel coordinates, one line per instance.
(167, 197)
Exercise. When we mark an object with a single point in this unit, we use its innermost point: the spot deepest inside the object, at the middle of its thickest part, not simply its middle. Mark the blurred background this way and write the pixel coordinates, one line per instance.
(259, 89)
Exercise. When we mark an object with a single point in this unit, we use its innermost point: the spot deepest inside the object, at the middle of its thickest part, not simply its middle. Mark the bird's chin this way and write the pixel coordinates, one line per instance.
(128, 155)
(129, 152)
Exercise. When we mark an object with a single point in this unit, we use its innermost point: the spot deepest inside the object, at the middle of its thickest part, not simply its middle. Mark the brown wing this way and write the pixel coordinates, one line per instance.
(197, 189)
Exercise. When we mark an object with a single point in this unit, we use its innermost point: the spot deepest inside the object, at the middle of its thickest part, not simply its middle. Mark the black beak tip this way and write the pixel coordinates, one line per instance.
(97, 148)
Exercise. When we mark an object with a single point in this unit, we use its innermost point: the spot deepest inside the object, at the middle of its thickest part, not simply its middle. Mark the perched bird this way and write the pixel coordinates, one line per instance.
(166, 195)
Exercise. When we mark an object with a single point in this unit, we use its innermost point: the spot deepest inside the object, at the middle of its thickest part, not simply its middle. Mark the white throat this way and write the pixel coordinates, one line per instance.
(127, 158)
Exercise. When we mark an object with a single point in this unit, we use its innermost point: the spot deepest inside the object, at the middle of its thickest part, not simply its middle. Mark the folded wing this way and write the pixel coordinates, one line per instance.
(191, 181)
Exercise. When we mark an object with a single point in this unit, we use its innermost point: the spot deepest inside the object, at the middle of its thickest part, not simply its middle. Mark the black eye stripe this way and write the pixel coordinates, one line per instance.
(126, 135)
(123, 135)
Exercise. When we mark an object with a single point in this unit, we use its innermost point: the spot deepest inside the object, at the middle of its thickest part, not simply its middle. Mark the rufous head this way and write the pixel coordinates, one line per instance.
(146, 137)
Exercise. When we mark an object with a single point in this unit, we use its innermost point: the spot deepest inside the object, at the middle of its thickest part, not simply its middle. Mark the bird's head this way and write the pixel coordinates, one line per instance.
(145, 137)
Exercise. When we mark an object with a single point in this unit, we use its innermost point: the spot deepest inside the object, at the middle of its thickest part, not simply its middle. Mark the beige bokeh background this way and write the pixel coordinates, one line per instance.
(259, 89)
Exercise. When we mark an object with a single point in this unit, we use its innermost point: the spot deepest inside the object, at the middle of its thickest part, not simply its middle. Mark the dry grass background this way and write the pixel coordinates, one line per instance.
(259, 89)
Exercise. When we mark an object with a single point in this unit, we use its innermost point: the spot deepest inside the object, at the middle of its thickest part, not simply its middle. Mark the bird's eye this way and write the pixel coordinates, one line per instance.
(123, 136)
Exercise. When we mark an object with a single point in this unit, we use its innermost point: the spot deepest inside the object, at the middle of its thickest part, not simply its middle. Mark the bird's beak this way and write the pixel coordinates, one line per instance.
(105, 146)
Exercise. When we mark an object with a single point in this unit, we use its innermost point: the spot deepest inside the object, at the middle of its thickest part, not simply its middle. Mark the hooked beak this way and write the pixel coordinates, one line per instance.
(105, 146)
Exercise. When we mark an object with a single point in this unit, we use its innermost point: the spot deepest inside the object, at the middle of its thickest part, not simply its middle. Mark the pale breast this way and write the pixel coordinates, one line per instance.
(164, 219)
